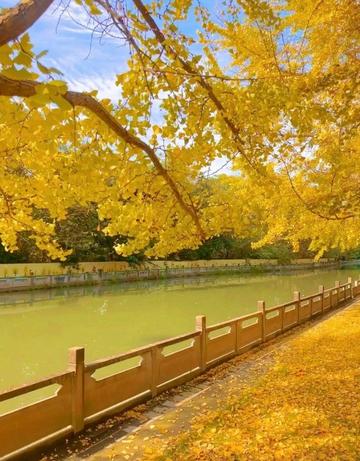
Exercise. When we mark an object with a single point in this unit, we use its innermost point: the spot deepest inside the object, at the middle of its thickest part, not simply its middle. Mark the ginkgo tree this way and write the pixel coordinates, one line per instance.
(271, 87)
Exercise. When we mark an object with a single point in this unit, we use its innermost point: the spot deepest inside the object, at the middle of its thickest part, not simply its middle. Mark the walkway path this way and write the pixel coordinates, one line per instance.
(296, 399)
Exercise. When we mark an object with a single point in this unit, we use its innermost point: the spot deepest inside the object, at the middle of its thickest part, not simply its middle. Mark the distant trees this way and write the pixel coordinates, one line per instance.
(81, 231)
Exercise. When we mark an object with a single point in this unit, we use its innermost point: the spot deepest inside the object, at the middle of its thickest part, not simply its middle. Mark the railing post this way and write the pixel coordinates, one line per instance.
(355, 286)
(261, 307)
(296, 298)
(200, 325)
(237, 326)
(337, 285)
(77, 364)
(321, 291)
(350, 281)
(155, 368)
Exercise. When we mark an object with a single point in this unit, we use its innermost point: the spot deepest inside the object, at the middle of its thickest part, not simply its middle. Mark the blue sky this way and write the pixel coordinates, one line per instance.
(87, 63)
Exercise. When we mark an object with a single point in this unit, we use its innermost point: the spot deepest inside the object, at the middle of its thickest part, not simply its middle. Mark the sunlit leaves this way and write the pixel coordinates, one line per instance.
(286, 77)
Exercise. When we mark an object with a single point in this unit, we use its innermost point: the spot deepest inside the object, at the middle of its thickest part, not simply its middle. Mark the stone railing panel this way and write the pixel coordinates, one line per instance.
(177, 365)
(273, 322)
(103, 394)
(222, 344)
(290, 315)
(249, 331)
(39, 420)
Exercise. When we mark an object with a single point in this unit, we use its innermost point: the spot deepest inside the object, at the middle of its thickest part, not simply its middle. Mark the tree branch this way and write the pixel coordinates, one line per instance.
(200, 79)
(15, 21)
(27, 88)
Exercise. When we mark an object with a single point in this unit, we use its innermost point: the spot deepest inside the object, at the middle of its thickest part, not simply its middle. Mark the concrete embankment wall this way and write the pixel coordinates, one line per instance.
(41, 269)
(16, 277)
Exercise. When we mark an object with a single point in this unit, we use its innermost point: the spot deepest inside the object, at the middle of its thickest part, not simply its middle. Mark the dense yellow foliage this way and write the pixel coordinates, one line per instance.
(305, 407)
(283, 111)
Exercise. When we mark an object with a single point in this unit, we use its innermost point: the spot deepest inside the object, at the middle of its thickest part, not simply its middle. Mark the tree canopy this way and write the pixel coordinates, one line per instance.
(270, 87)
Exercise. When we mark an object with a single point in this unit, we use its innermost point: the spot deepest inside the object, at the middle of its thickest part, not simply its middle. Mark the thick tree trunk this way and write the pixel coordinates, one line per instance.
(15, 21)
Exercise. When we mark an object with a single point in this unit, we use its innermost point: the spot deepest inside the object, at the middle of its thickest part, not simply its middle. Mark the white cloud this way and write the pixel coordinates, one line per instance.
(87, 63)
(104, 84)
(76, 13)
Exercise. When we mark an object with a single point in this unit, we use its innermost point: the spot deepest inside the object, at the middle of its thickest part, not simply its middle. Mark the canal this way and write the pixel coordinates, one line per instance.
(38, 327)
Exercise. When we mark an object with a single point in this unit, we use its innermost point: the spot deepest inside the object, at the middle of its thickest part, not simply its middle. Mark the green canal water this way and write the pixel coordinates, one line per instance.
(38, 327)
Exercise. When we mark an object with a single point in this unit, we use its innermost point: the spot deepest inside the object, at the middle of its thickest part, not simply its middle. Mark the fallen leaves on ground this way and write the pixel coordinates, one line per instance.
(305, 407)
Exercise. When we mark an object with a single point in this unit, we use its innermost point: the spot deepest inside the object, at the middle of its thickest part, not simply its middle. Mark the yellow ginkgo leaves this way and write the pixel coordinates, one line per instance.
(269, 89)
